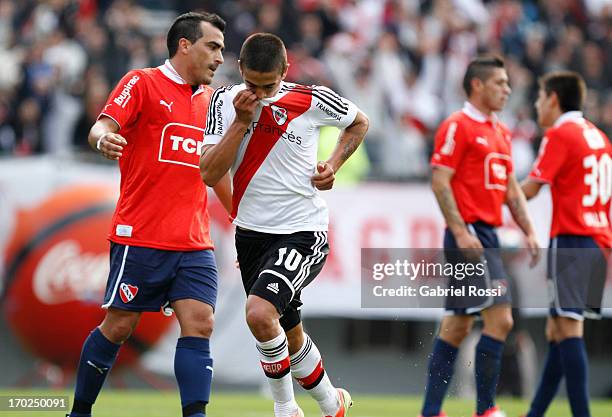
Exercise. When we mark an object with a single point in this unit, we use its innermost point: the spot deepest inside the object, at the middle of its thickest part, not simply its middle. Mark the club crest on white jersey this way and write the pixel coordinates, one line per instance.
(279, 114)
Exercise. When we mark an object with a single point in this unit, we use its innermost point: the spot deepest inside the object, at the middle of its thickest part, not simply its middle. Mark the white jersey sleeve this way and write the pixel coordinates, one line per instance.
(330, 109)
(221, 114)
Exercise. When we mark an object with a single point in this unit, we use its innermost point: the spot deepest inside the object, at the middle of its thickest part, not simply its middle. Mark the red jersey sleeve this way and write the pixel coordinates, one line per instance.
(125, 101)
(550, 158)
(450, 145)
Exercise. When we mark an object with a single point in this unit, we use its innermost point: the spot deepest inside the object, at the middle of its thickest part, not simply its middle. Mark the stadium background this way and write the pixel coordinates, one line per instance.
(400, 61)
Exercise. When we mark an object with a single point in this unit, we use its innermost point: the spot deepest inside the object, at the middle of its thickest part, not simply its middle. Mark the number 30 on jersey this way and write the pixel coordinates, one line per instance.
(599, 171)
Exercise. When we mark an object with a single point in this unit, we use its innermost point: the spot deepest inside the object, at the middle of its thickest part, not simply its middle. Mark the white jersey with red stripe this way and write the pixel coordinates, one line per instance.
(271, 175)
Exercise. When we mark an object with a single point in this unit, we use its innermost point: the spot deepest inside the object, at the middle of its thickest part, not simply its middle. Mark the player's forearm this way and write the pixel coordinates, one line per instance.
(448, 207)
(223, 191)
(530, 188)
(517, 203)
(518, 208)
(99, 129)
(217, 160)
(349, 141)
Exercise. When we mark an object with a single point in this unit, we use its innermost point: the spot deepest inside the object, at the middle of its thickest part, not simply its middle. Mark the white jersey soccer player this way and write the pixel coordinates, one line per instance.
(273, 191)
(266, 133)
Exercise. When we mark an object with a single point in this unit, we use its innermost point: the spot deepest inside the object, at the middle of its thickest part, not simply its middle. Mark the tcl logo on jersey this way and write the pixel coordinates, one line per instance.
(496, 171)
(181, 144)
(499, 171)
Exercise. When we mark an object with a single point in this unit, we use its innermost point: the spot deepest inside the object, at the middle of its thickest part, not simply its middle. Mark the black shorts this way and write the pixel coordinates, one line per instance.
(577, 271)
(277, 267)
(495, 279)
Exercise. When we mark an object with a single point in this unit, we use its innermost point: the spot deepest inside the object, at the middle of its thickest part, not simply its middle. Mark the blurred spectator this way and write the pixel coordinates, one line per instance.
(399, 60)
(28, 127)
(7, 133)
(96, 93)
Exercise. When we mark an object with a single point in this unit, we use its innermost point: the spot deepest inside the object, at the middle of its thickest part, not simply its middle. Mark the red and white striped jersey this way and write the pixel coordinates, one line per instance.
(271, 176)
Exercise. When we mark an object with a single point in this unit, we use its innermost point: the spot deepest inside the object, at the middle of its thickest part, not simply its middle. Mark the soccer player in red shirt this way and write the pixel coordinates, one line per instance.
(266, 131)
(472, 178)
(575, 160)
(161, 250)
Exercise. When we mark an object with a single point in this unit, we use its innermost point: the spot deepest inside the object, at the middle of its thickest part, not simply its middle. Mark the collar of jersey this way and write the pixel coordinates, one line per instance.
(570, 116)
(168, 70)
(277, 96)
(473, 113)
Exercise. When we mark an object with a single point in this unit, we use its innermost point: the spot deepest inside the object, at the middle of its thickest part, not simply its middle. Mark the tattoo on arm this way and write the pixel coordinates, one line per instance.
(448, 206)
(517, 203)
(350, 145)
(518, 208)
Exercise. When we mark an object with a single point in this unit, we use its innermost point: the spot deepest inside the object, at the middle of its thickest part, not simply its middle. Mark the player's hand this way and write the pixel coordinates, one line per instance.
(324, 178)
(111, 145)
(470, 245)
(245, 104)
(534, 250)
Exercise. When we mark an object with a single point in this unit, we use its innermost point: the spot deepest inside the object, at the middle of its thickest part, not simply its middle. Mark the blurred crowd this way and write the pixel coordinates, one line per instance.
(401, 61)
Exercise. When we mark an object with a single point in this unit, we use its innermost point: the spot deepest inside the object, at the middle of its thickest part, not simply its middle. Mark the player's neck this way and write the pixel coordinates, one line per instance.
(181, 70)
(556, 114)
(481, 107)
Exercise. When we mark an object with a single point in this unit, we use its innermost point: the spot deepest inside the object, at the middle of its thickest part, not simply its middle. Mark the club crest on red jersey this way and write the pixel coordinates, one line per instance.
(279, 114)
(128, 292)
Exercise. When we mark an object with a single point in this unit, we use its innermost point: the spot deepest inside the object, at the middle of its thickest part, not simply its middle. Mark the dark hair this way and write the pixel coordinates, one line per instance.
(481, 68)
(569, 87)
(263, 52)
(187, 26)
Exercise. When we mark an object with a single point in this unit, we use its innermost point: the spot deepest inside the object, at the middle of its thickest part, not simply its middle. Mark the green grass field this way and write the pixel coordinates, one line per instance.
(165, 404)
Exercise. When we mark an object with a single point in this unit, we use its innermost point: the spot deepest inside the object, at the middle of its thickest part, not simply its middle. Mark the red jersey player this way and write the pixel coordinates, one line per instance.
(161, 251)
(575, 160)
(472, 178)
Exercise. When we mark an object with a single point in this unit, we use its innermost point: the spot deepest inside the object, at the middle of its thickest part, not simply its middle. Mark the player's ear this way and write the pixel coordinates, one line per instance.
(554, 99)
(476, 84)
(183, 45)
(285, 71)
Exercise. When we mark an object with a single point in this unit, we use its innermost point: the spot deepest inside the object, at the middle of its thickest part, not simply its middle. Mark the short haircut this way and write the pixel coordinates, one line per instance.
(569, 87)
(263, 52)
(188, 26)
(481, 68)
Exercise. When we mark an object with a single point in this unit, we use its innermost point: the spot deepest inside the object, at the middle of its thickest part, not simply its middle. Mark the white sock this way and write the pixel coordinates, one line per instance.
(274, 357)
(307, 369)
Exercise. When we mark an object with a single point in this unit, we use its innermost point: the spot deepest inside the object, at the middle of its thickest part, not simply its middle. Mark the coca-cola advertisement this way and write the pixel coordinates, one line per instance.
(56, 266)
(55, 217)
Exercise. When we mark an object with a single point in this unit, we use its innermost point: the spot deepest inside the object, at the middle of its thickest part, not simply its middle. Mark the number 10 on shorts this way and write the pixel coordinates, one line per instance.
(292, 260)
